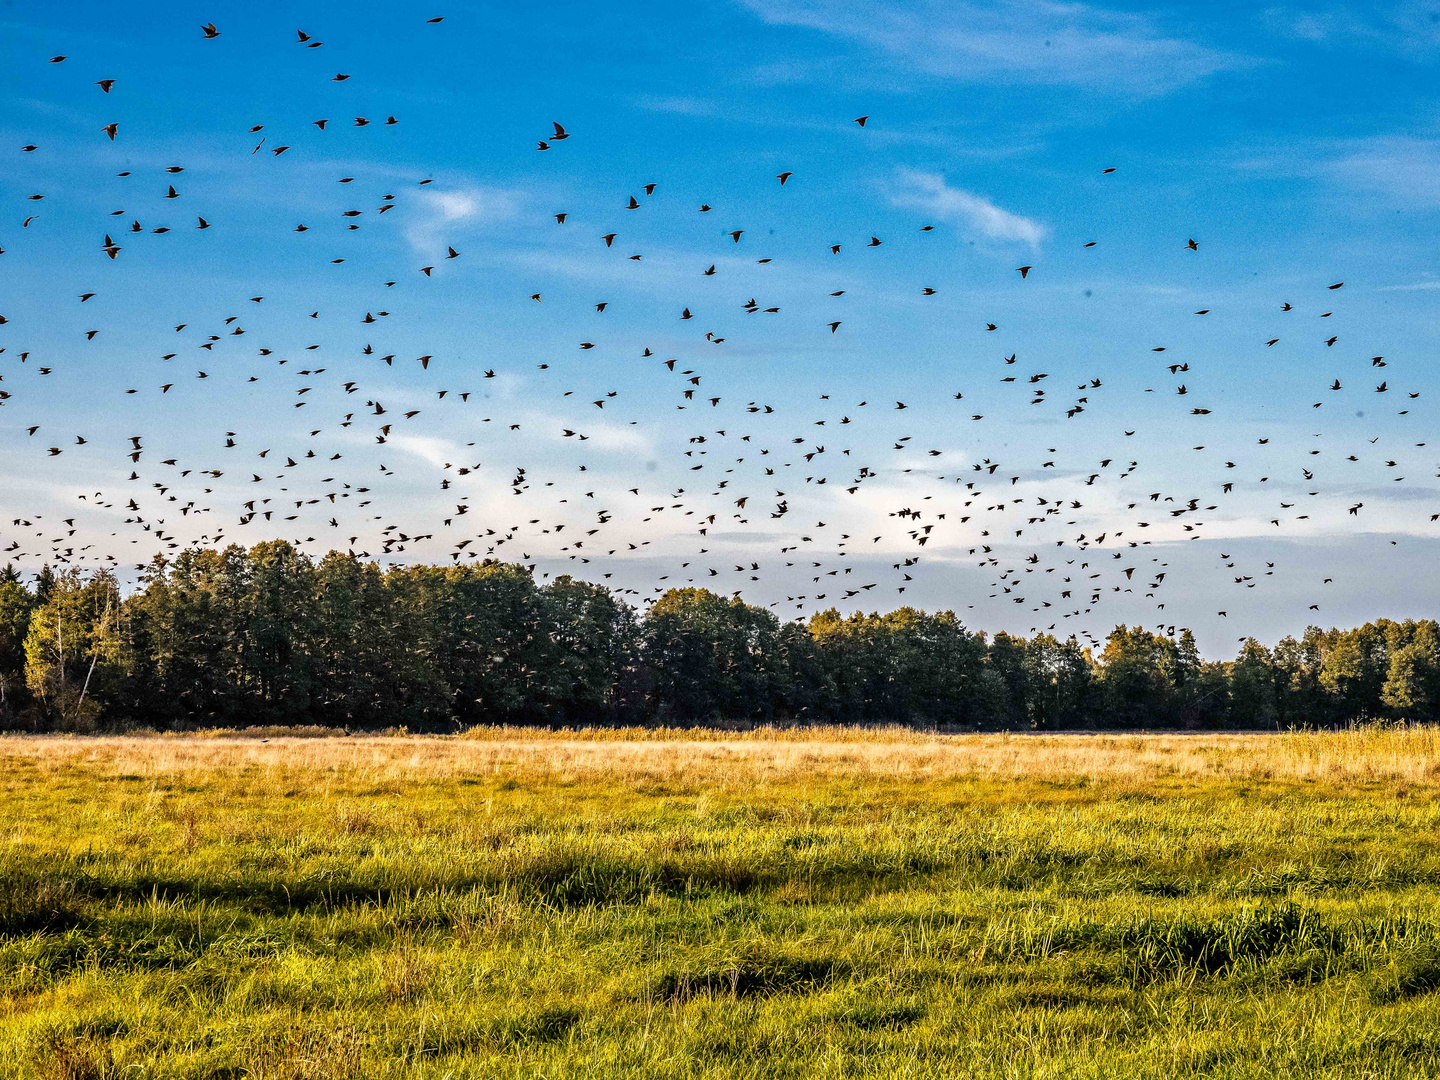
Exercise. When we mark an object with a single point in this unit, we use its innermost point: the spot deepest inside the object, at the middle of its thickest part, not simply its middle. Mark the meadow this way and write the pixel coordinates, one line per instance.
(814, 903)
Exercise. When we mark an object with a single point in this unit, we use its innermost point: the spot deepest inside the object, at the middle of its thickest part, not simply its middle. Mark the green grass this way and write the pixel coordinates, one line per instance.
(342, 918)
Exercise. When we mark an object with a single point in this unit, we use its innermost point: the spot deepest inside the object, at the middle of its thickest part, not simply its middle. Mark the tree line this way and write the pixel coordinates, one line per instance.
(268, 635)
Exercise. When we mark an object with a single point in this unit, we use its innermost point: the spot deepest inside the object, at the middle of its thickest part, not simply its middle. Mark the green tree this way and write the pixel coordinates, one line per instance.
(593, 646)
(1060, 684)
(1300, 701)
(1412, 679)
(44, 583)
(1253, 683)
(486, 628)
(74, 649)
(370, 650)
(187, 629)
(1353, 667)
(713, 657)
(16, 605)
(276, 630)
(1135, 674)
(907, 666)
(1007, 658)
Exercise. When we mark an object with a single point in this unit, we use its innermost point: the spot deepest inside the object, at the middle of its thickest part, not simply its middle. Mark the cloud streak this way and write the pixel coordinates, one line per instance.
(1408, 28)
(1036, 42)
(1399, 167)
(968, 212)
(442, 214)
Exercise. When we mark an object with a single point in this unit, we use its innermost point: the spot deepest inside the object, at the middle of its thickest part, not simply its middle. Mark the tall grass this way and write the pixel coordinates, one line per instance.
(845, 904)
(1407, 755)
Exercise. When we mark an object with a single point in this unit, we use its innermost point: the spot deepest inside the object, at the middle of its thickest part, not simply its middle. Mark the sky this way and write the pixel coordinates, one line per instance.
(1298, 147)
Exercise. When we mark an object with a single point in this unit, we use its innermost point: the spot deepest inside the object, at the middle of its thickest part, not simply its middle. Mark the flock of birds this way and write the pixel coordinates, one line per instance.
(1057, 538)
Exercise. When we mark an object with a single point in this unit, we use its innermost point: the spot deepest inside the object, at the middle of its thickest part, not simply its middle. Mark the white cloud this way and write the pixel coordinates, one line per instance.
(1026, 41)
(1409, 27)
(1391, 171)
(929, 192)
(436, 452)
(604, 436)
(443, 214)
(679, 104)
(1400, 167)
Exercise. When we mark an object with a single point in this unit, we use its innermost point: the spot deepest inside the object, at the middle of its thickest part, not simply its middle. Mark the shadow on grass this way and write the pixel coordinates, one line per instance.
(751, 975)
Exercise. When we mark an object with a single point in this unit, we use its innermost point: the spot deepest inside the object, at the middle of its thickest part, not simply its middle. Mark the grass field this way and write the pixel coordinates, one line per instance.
(800, 905)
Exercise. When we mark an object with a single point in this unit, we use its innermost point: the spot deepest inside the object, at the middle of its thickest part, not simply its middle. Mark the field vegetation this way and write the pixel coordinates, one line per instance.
(816, 902)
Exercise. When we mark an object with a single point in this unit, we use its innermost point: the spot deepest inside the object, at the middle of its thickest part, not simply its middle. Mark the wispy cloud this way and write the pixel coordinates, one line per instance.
(442, 214)
(1400, 167)
(1393, 170)
(437, 452)
(679, 104)
(1409, 27)
(604, 436)
(968, 212)
(1022, 41)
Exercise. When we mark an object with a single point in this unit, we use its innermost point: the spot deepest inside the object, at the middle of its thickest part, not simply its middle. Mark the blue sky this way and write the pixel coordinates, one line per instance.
(1299, 146)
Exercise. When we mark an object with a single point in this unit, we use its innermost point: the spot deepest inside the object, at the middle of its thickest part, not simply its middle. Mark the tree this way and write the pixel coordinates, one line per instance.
(1352, 670)
(1007, 658)
(1295, 665)
(713, 657)
(372, 664)
(16, 605)
(187, 629)
(1135, 675)
(276, 630)
(1252, 687)
(74, 650)
(1412, 680)
(592, 646)
(44, 583)
(907, 666)
(1060, 683)
(936, 667)
(486, 628)
(1199, 691)
(269, 635)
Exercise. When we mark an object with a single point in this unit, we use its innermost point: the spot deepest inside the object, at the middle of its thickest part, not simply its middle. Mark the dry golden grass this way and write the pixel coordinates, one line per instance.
(1400, 755)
